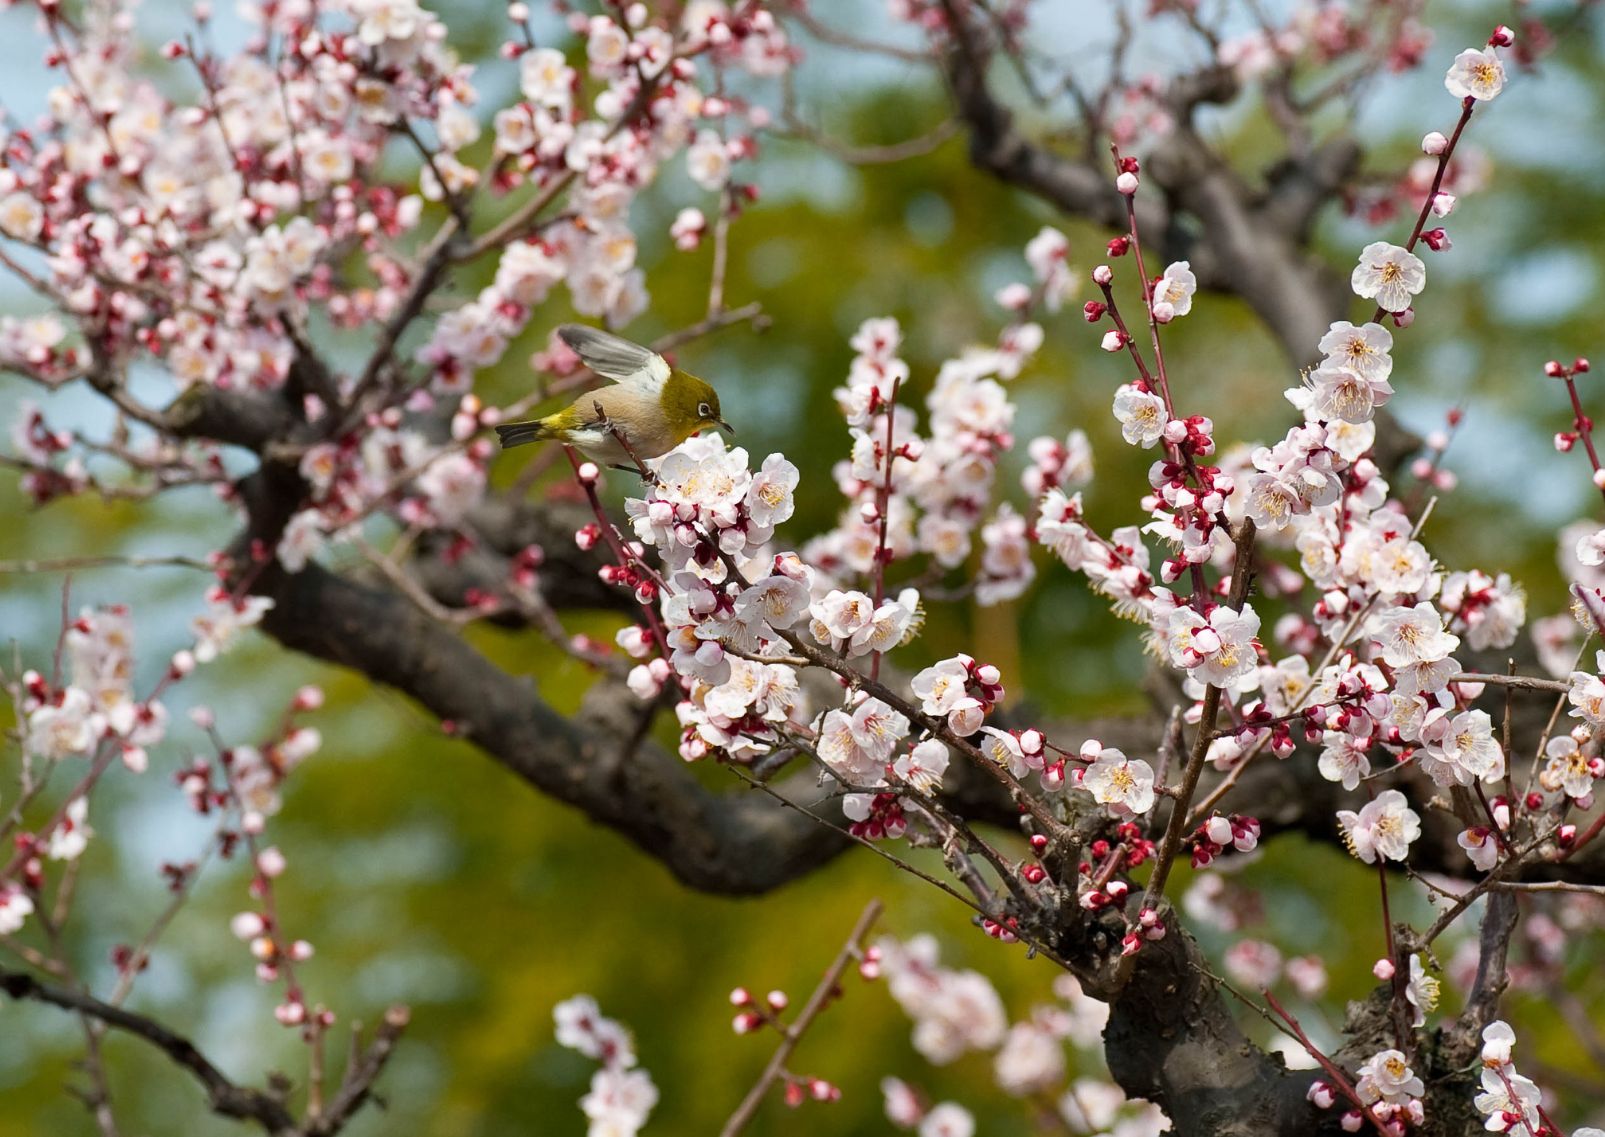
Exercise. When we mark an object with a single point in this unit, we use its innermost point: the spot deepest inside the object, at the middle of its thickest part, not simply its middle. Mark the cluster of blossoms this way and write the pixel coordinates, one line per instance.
(957, 1012)
(621, 1095)
(223, 223)
(92, 715)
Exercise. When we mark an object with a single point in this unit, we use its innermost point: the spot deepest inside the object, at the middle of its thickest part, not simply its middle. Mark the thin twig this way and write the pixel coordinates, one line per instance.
(227, 1098)
(791, 1035)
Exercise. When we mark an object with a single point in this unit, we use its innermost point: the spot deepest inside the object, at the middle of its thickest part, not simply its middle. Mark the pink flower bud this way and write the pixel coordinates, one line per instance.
(1103, 275)
(1126, 184)
(1502, 37)
(777, 1000)
(589, 473)
(740, 997)
(308, 698)
(290, 1014)
(247, 926)
(1383, 969)
(1434, 144)
(1112, 341)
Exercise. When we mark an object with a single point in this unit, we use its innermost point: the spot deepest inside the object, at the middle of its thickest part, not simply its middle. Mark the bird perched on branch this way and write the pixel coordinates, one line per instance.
(654, 407)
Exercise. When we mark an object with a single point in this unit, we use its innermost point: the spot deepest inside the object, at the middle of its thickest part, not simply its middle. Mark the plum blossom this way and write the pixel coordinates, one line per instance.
(223, 619)
(1509, 1100)
(1176, 288)
(1389, 275)
(1363, 350)
(64, 728)
(1569, 769)
(71, 835)
(1411, 635)
(1344, 759)
(15, 907)
(949, 1119)
(769, 497)
(1463, 750)
(1030, 1060)
(1125, 785)
(1475, 74)
(1480, 846)
(580, 1025)
(1217, 650)
(1141, 415)
(619, 1101)
(943, 689)
(1384, 828)
(857, 746)
(923, 767)
(1341, 393)
(1387, 1077)
(953, 1011)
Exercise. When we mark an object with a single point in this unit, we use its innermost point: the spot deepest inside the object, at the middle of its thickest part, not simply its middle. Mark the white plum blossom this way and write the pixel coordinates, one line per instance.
(1411, 635)
(1389, 275)
(1341, 393)
(1475, 74)
(1125, 785)
(1509, 1099)
(949, 1119)
(708, 161)
(943, 689)
(1481, 846)
(1176, 288)
(1568, 769)
(71, 835)
(1364, 350)
(1217, 650)
(954, 1012)
(1343, 759)
(769, 497)
(1387, 1077)
(1384, 828)
(223, 619)
(15, 907)
(619, 1101)
(580, 1025)
(64, 728)
(1031, 1059)
(1141, 415)
(923, 767)
(857, 745)
(1463, 750)
(21, 216)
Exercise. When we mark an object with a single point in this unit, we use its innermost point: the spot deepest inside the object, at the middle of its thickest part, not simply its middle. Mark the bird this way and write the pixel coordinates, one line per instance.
(653, 405)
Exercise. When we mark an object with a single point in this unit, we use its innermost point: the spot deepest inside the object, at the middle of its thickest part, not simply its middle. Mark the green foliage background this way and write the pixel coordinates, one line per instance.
(426, 874)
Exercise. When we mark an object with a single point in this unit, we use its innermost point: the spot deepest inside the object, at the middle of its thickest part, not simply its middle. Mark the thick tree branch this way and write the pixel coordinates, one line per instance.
(734, 842)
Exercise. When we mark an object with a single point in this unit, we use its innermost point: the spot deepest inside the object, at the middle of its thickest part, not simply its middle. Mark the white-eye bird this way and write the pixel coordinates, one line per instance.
(654, 406)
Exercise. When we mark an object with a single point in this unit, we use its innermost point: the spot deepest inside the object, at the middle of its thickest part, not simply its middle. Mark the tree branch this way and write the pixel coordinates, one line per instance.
(227, 1099)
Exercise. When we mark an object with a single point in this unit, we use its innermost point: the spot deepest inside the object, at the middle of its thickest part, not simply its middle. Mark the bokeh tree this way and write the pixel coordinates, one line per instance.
(276, 277)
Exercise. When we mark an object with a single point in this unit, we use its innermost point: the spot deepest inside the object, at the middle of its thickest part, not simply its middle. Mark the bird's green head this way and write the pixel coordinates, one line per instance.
(690, 405)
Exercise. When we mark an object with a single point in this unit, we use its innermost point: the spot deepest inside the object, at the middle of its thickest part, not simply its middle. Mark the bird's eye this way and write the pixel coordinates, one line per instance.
(704, 410)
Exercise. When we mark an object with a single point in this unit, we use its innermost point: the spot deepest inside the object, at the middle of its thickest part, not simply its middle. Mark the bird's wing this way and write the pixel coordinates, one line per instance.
(615, 358)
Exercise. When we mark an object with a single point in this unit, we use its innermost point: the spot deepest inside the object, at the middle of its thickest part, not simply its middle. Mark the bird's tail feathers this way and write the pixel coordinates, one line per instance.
(518, 433)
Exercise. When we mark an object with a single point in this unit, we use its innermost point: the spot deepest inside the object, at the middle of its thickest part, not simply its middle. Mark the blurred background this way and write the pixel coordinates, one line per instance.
(425, 874)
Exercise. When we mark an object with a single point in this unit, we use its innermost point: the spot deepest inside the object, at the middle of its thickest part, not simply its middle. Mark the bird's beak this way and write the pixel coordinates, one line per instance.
(727, 428)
